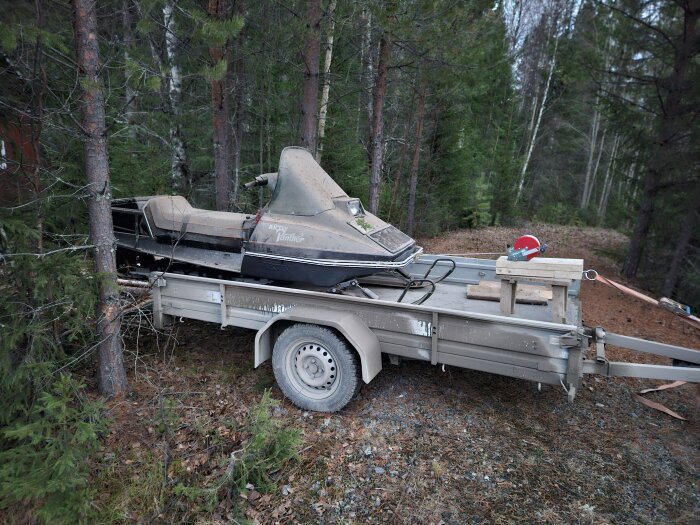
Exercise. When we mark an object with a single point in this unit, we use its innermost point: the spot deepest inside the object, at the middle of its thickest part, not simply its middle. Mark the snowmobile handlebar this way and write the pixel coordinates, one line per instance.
(260, 180)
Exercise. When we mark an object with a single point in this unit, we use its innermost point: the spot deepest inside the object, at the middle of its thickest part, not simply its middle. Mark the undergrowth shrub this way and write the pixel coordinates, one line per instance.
(559, 213)
(269, 448)
(48, 431)
(45, 455)
(477, 209)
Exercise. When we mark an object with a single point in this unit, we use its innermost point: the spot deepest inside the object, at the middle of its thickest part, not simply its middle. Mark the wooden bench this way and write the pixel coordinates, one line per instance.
(558, 273)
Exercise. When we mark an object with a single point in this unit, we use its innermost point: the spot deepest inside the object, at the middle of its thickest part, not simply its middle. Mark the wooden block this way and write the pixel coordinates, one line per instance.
(544, 280)
(541, 263)
(508, 291)
(540, 267)
(525, 293)
(542, 274)
(559, 303)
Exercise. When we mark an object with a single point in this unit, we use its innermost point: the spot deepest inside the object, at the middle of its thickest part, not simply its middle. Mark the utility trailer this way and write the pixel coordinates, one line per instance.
(324, 345)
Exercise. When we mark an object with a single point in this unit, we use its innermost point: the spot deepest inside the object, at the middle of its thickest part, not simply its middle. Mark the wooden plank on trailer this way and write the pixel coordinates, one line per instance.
(542, 274)
(541, 269)
(525, 294)
(559, 300)
(542, 263)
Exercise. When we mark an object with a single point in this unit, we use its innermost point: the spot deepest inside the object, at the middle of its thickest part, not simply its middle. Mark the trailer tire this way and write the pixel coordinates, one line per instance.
(315, 369)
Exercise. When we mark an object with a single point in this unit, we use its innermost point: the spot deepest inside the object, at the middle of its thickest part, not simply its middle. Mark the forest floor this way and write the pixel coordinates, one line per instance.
(417, 445)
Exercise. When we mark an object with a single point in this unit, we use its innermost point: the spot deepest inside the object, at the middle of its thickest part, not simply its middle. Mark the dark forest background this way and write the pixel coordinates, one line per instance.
(439, 114)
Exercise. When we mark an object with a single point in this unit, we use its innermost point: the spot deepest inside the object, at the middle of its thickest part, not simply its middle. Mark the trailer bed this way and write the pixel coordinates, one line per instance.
(447, 329)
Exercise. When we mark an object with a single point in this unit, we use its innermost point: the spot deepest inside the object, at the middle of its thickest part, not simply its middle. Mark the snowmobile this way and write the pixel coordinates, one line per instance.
(311, 232)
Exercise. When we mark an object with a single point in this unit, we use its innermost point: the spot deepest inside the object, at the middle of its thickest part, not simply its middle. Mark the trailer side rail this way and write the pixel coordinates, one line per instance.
(516, 347)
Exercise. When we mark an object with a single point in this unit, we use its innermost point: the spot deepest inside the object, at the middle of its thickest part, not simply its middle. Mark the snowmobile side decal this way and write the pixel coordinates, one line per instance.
(282, 234)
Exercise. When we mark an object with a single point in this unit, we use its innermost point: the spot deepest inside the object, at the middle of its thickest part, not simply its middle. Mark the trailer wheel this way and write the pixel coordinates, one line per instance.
(315, 369)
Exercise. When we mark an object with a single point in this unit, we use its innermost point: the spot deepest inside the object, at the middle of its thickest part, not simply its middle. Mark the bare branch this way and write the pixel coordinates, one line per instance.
(638, 21)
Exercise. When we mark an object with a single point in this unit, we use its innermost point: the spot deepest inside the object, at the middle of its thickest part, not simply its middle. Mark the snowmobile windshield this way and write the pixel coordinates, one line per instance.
(303, 187)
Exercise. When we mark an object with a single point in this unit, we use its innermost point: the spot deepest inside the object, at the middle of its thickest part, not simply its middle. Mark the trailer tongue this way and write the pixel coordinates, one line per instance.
(324, 345)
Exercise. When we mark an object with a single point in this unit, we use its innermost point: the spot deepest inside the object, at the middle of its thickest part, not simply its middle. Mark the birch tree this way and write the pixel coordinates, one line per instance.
(608, 180)
(179, 170)
(594, 172)
(592, 143)
(323, 109)
(535, 130)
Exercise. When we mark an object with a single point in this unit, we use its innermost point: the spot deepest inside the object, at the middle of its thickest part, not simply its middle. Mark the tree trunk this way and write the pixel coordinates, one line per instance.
(533, 138)
(630, 185)
(607, 183)
(179, 170)
(111, 373)
(130, 100)
(685, 232)
(236, 128)
(415, 160)
(219, 106)
(312, 57)
(398, 174)
(592, 142)
(323, 110)
(39, 83)
(662, 148)
(642, 224)
(377, 136)
(594, 174)
(366, 76)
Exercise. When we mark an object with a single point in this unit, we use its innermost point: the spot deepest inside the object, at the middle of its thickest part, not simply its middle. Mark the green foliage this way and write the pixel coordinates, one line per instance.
(559, 213)
(216, 72)
(48, 431)
(478, 111)
(477, 209)
(8, 38)
(142, 494)
(45, 453)
(343, 157)
(269, 448)
(145, 26)
(217, 32)
(163, 488)
(691, 278)
(153, 83)
(467, 163)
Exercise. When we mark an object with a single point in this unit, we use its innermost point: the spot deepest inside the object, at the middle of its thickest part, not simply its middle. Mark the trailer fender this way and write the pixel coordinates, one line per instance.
(360, 337)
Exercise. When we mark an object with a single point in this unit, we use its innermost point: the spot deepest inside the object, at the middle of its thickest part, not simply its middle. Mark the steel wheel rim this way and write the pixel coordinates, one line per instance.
(313, 370)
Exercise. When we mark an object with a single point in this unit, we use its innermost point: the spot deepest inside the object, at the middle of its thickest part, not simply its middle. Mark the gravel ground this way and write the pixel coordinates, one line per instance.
(417, 445)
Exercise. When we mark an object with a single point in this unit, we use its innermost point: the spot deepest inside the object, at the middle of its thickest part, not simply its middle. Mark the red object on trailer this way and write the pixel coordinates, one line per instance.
(527, 247)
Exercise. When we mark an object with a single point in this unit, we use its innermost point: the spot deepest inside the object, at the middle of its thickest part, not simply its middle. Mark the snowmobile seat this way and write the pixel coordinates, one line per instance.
(174, 217)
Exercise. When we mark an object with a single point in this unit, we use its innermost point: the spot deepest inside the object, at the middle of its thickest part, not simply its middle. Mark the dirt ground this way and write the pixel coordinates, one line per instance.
(417, 445)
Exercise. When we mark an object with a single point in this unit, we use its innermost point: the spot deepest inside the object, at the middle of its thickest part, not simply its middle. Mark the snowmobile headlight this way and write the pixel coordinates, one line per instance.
(355, 208)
